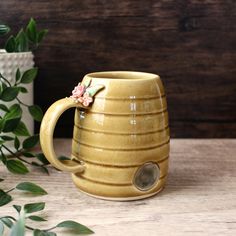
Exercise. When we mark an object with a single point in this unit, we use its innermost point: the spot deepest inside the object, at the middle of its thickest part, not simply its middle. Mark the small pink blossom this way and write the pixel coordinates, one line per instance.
(87, 99)
(78, 91)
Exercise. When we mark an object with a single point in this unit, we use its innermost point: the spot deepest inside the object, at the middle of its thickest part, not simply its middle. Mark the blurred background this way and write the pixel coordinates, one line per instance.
(191, 44)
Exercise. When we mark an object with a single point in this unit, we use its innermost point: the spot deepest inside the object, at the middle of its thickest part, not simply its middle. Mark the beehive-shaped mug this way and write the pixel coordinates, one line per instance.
(120, 145)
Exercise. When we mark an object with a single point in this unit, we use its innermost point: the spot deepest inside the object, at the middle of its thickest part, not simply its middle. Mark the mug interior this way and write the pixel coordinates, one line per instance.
(123, 75)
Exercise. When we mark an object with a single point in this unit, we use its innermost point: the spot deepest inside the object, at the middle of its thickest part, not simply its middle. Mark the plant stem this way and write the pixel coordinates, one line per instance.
(1, 76)
(54, 227)
(22, 102)
(14, 154)
(10, 190)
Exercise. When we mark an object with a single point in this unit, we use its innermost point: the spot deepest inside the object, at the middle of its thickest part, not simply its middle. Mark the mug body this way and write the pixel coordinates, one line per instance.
(123, 139)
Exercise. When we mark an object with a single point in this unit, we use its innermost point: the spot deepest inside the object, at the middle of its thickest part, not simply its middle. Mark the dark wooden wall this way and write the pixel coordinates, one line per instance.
(190, 43)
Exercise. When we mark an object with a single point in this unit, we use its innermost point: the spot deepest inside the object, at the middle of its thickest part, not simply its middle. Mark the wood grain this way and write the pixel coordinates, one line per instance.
(199, 198)
(190, 43)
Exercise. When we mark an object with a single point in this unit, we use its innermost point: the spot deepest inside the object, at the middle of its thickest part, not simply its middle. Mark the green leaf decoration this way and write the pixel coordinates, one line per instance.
(31, 188)
(10, 45)
(3, 108)
(16, 167)
(94, 89)
(36, 112)
(6, 221)
(34, 207)
(18, 228)
(36, 218)
(18, 75)
(4, 198)
(16, 143)
(21, 130)
(9, 94)
(86, 82)
(31, 31)
(75, 227)
(31, 142)
(1, 228)
(4, 29)
(22, 44)
(42, 158)
(17, 208)
(29, 75)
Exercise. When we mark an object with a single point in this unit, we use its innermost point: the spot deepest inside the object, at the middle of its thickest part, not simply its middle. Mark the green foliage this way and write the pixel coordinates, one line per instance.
(26, 39)
(12, 126)
(19, 226)
(4, 29)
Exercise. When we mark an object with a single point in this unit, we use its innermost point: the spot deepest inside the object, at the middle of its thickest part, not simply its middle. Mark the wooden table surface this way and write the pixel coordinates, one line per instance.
(199, 198)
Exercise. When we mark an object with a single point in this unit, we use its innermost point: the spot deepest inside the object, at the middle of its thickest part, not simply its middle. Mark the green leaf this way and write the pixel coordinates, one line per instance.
(6, 221)
(6, 138)
(42, 158)
(3, 107)
(64, 158)
(10, 45)
(12, 118)
(18, 75)
(16, 143)
(41, 35)
(86, 82)
(75, 227)
(18, 228)
(36, 112)
(22, 44)
(31, 31)
(3, 158)
(94, 89)
(36, 218)
(31, 188)
(16, 167)
(23, 90)
(21, 130)
(38, 232)
(10, 93)
(29, 75)
(1, 228)
(28, 154)
(17, 207)
(4, 29)
(31, 142)
(34, 207)
(4, 198)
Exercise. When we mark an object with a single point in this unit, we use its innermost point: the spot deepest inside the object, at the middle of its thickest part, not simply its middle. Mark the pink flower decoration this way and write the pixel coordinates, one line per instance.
(78, 91)
(87, 99)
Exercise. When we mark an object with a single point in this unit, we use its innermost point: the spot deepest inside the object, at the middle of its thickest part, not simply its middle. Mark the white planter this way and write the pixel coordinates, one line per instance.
(9, 63)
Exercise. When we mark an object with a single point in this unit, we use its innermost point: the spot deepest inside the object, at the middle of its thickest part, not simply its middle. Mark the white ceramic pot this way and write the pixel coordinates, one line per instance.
(9, 63)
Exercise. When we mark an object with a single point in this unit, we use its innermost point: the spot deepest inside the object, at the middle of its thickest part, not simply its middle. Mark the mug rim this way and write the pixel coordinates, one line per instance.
(122, 75)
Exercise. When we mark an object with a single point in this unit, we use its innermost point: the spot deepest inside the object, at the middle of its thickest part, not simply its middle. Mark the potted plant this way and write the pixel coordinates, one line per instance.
(17, 112)
(17, 55)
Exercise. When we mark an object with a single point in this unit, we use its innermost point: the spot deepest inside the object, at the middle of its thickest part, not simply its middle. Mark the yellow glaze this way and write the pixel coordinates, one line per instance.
(124, 128)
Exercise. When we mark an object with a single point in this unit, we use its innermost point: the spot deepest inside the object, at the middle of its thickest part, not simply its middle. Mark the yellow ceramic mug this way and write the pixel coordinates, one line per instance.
(120, 146)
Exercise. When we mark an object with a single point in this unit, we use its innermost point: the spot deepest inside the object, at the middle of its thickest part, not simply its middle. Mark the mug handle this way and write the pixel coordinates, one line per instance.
(46, 134)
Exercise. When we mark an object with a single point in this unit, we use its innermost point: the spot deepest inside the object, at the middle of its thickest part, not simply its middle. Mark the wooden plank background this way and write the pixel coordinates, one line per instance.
(191, 44)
